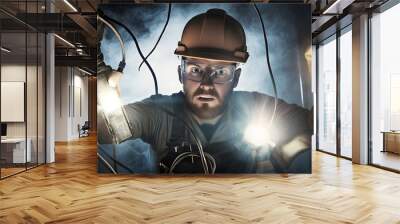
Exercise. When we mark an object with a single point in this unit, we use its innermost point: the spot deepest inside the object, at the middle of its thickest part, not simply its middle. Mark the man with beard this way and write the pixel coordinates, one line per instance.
(209, 115)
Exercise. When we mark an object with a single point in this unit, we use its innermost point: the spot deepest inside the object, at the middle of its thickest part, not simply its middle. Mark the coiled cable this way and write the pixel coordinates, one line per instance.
(185, 155)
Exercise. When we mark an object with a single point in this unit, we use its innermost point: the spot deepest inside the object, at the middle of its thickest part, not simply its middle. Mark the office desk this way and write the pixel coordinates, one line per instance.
(391, 141)
(13, 150)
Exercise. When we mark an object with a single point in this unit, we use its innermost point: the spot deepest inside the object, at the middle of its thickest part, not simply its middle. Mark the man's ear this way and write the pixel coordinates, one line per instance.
(179, 74)
(237, 76)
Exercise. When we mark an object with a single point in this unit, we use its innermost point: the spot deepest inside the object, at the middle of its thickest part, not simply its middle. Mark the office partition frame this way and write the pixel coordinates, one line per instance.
(41, 145)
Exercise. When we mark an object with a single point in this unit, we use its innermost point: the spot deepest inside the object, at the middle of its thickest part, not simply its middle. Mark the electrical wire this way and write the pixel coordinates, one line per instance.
(121, 42)
(138, 49)
(196, 139)
(269, 64)
(105, 161)
(159, 37)
(185, 155)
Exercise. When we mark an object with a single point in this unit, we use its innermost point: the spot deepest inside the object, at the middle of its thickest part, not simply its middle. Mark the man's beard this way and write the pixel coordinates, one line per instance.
(204, 110)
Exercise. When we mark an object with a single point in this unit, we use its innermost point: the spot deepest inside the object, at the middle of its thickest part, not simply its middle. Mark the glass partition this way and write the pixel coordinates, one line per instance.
(22, 77)
(14, 154)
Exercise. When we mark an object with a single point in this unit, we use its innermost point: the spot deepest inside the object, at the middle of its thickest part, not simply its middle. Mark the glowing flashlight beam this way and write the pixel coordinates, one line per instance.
(257, 134)
(110, 102)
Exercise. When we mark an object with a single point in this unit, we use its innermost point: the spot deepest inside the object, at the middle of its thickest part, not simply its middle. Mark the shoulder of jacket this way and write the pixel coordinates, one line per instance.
(250, 97)
(164, 99)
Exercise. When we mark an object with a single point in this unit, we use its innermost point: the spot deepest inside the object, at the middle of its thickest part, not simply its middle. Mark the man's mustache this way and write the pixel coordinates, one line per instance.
(211, 92)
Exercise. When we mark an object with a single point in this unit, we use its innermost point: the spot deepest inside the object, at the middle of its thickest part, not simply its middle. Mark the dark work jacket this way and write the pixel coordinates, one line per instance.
(159, 121)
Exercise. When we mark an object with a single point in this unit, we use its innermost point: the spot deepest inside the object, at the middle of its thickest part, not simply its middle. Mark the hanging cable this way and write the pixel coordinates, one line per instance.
(269, 65)
(195, 138)
(138, 49)
(121, 65)
(161, 34)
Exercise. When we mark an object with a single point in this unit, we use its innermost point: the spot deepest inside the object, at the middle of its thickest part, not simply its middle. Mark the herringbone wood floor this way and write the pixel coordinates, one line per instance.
(70, 191)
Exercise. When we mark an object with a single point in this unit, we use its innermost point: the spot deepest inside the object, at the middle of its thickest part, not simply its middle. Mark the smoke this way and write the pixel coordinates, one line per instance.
(288, 30)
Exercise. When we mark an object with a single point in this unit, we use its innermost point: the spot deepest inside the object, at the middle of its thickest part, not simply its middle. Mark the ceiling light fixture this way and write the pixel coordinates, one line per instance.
(70, 5)
(329, 9)
(65, 41)
(337, 7)
(5, 50)
(84, 71)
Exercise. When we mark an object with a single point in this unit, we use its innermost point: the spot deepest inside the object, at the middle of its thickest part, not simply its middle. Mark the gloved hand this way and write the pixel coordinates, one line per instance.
(294, 156)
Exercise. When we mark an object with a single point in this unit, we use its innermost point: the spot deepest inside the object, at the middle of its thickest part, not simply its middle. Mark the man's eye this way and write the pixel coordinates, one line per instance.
(195, 70)
(220, 72)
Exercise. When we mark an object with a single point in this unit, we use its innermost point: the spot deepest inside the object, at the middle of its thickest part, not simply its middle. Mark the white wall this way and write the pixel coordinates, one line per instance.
(61, 103)
(33, 126)
(71, 102)
(14, 73)
(17, 73)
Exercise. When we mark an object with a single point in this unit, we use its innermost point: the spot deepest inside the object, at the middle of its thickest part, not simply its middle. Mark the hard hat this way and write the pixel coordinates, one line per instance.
(214, 35)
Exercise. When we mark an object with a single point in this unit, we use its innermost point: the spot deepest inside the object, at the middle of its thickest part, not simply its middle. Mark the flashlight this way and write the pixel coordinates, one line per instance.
(109, 99)
(258, 135)
(108, 96)
(110, 105)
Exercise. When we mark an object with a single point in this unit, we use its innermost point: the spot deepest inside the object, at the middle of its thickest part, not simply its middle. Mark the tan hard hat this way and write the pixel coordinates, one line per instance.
(214, 35)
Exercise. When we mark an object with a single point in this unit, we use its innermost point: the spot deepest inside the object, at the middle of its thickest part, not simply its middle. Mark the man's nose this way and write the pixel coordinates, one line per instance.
(207, 80)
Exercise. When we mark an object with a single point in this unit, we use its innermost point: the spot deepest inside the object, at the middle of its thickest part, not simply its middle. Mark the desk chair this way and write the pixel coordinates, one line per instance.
(84, 130)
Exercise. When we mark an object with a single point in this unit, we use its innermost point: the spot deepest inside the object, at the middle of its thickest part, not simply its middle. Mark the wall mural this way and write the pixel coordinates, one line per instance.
(204, 88)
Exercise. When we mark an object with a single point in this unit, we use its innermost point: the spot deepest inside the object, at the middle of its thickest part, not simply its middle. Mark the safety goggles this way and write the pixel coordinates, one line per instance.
(219, 74)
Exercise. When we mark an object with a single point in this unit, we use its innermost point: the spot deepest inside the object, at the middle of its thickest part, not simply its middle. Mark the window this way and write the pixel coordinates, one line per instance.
(385, 88)
(327, 96)
(346, 93)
